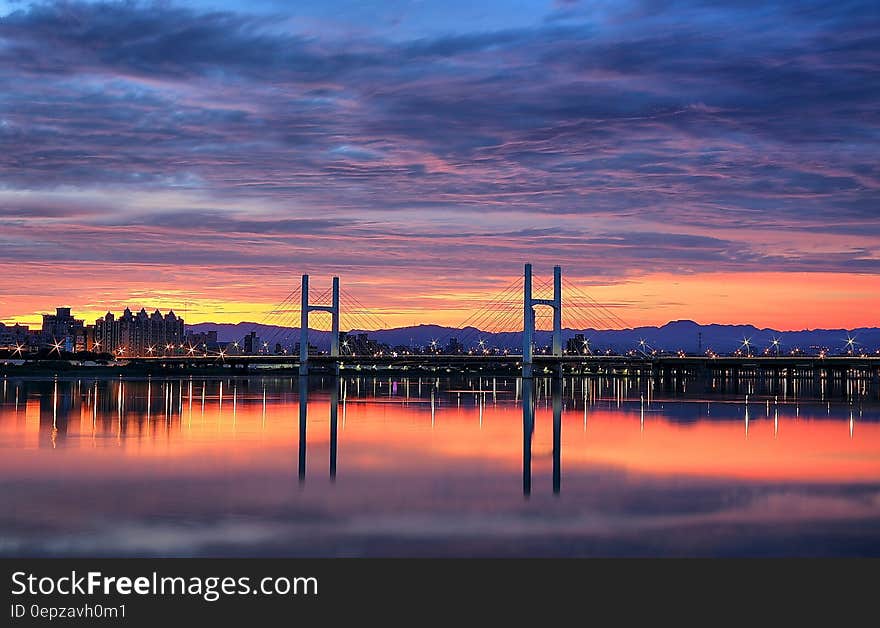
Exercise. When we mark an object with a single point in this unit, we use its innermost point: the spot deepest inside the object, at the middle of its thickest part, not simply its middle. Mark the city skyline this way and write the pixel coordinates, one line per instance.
(154, 335)
(680, 161)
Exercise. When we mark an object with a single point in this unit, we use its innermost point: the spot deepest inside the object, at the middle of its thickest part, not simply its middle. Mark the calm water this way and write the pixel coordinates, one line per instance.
(390, 467)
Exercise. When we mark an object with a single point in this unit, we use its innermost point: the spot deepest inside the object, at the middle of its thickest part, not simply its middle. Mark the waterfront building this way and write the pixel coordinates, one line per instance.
(358, 344)
(12, 336)
(139, 334)
(204, 342)
(252, 344)
(106, 334)
(62, 330)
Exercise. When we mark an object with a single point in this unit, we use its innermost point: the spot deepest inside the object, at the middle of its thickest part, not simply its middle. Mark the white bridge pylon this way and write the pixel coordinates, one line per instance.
(529, 304)
(306, 307)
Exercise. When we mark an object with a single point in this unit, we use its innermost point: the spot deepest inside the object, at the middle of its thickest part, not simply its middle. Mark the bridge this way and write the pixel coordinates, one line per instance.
(516, 310)
(496, 316)
(660, 367)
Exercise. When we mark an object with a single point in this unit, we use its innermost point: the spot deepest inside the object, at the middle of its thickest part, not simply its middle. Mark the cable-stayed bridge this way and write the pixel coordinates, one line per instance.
(496, 325)
(512, 316)
(499, 336)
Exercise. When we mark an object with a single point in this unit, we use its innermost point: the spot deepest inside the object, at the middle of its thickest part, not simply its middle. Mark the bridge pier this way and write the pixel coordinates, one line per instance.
(529, 303)
(528, 325)
(304, 329)
(305, 308)
(557, 312)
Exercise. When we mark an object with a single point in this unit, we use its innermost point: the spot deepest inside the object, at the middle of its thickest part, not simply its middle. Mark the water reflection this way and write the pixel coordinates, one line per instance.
(303, 419)
(303, 416)
(557, 436)
(528, 413)
(334, 419)
(431, 466)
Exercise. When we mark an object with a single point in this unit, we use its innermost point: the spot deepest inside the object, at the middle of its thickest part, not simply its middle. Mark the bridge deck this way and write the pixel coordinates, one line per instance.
(634, 363)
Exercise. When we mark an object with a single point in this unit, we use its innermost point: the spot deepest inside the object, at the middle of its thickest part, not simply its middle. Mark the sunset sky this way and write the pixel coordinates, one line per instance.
(678, 159)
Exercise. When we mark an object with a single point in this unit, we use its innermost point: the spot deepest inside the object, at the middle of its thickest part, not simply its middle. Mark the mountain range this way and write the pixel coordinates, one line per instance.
(684, 335)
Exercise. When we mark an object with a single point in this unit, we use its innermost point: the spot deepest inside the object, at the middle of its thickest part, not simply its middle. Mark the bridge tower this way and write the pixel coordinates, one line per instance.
(306, 307)
(529, 304)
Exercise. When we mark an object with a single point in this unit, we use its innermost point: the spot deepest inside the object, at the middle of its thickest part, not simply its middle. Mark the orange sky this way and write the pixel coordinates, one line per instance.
(784, 301)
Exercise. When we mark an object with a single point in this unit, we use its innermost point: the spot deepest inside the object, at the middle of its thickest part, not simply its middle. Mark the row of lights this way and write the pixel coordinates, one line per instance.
(643, 345)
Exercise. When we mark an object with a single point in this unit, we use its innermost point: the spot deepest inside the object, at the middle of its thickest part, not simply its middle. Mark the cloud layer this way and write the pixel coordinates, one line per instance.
(620, 140)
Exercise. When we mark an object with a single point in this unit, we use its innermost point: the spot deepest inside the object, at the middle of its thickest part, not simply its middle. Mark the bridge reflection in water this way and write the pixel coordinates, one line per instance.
(88, 464)
(528, 414)
(559, 393)
(526, 387)
(303, 419)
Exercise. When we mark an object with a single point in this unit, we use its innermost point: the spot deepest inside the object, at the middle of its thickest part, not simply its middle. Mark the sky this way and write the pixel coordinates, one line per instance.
(680, 159)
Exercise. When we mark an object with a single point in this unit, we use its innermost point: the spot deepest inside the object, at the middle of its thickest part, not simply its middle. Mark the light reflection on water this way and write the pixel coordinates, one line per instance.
(404, 467)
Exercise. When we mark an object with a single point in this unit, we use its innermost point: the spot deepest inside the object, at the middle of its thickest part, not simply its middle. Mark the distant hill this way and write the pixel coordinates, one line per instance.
(676, 335)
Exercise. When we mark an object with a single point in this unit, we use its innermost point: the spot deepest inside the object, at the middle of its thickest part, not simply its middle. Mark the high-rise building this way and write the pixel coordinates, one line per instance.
(174, 329)
(62, 329)
(125, 334)
(156, 330)
(252, 343)
(140, 334)
(106, 334)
